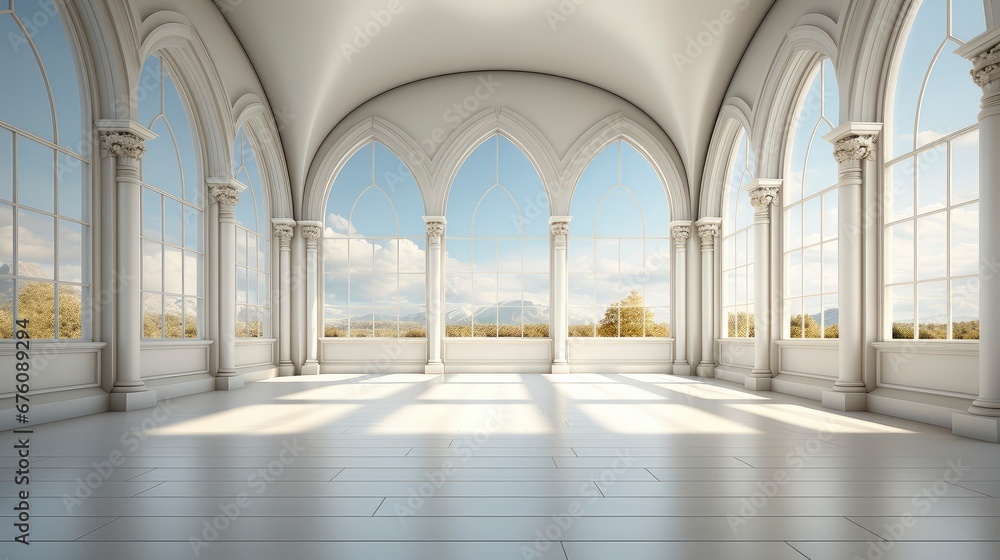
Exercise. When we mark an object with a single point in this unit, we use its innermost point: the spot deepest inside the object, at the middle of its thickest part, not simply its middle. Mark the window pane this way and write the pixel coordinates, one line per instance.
(71, 312)
(932, 180)
(71, 244)
(812, 308)
(173, 271)
(902, 314)
(900, 179)
(965, 309)
(581, 321)
(812, 221)
(830, 267)
(965, 168)
(193, 273)
(73, 195)
(242, 293)
(192, 312)
(35, 175)
(35, 242)
(793, 228)
(251, 250)
(173, 317)
(831, 202)
(933, 310)
(172, 222)
(793, 317)
(793, 272)
(932, 246)
(831, 317)
(6, 165)
(152, 266)
(899, 253)
(36, 303)
(965, 240)
(152, 316)
(361, 290)
(7, 267)
(812, 275)
(152, 215)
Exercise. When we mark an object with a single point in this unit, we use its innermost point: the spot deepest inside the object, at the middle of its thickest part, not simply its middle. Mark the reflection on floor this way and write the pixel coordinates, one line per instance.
(486, 467)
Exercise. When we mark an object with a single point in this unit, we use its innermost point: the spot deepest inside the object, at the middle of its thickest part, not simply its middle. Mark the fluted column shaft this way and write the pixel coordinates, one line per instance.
(763, 196)
(559, 229)
(284, 230)
(680, 232)
(227, 196)
(708, 231)
(311, 232)
(435, 316)
(124, 141)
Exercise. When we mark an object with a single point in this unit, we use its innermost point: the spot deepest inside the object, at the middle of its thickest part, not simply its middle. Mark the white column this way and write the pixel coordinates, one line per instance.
(708, 232)
(854, 145)
(123, 140)
(983, 420)
(763, 195)
(284, 230)
(680, 232)
(311, 232)
(227, 194)
(559, 228)
(435, 296)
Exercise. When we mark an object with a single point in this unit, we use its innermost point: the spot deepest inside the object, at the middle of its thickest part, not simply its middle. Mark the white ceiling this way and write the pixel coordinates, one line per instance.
(624, 46)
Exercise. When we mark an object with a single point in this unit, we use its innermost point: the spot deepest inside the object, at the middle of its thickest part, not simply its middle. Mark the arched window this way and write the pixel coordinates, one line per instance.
(173, 217)
(374, 249)
(738, 245)
(497, 252)
(619, 248)
(44, 176)
(810, 224)
(931, 237)
(253, 255)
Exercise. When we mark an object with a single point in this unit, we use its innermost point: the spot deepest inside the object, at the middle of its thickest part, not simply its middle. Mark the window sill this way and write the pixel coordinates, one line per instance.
(952, 347)
(182, 343)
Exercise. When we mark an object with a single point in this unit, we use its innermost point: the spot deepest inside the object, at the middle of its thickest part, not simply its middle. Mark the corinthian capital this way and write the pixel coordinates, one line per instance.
(858, 147)
(122, 145)
(680, 232)
(224, 193)
(435, 225)
(986, 66)
(708, 231)
(764, 194)
(311, 231)
(559, 225)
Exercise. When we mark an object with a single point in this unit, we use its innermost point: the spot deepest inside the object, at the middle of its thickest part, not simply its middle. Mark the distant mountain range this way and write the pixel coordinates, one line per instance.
(830, 317)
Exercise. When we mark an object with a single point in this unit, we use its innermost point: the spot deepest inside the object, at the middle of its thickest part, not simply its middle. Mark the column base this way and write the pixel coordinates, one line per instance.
(229, 383)
(706, 370)
(560, 368)
(846, 402)
(286, 370)
(983, 428)
(138, 400)
(310, 368)
(434, 368)
(757, 383)
(682, 368)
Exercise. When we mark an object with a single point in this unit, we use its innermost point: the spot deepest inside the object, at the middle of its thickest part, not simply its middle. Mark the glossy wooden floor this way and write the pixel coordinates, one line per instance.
(486, 467)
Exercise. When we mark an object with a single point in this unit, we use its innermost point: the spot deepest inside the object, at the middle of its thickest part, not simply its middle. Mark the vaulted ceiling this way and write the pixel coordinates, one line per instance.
(673, 59)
